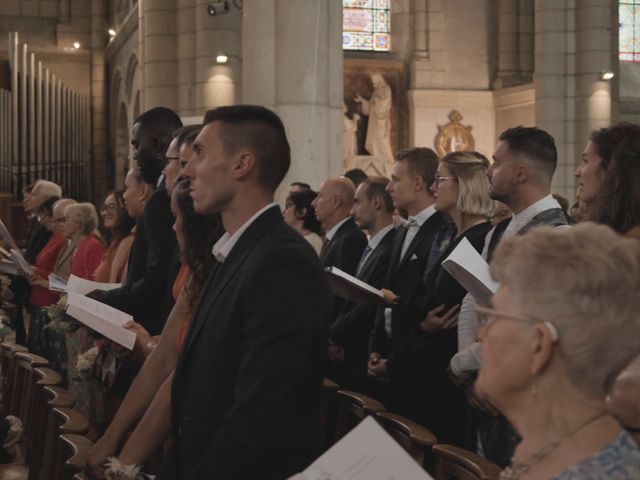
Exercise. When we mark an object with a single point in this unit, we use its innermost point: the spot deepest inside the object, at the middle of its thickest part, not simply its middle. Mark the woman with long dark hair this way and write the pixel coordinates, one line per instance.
(299, 215)
(196, 234)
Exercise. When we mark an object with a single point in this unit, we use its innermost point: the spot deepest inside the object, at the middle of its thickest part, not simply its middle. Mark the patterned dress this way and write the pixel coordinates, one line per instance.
(620, 460)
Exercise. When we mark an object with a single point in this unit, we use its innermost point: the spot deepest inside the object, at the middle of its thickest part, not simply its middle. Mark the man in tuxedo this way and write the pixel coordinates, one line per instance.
(413, 173)
(344, 241)
(246, 392)
(154, 243)
(349, 334)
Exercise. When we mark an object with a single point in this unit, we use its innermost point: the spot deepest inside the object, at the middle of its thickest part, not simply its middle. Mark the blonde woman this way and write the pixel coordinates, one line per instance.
(417, 369)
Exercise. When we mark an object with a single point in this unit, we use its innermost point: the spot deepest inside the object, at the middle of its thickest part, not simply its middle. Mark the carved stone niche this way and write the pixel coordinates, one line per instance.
(454, 137)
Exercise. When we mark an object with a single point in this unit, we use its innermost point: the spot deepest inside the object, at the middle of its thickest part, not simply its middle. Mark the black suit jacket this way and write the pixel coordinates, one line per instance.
(344, 251)
(246, 390)
(352, 327)
(403, 276)
(150, 257)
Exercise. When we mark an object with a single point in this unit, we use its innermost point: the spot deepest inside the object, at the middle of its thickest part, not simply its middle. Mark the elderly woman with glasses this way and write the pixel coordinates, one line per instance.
(561, 327)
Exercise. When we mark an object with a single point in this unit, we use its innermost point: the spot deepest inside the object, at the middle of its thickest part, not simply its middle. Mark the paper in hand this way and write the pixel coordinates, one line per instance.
(56, 283)
(347, 286)
(82, 287)
(366, 453)
(468, 267)
(102, 318)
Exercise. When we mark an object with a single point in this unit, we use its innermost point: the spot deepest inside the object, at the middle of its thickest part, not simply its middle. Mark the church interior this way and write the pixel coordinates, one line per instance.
(353, 81)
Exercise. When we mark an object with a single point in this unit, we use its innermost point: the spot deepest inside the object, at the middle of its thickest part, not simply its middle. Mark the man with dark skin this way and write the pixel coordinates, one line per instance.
(155, 240)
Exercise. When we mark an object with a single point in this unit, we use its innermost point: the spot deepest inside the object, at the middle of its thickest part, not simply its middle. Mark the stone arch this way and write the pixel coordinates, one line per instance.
(122, 159)
(132, 70)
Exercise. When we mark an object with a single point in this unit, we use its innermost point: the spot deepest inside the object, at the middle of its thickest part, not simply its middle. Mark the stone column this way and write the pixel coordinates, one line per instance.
(525, 40)
(99, 176)
(428, 65)
(186, 40)
(507, 74)
(158, 53)
(593, 55)
(217, 84)
(292, 63)
(554, 84)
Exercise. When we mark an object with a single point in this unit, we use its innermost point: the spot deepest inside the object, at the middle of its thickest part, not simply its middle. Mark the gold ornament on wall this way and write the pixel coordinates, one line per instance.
(454, 137)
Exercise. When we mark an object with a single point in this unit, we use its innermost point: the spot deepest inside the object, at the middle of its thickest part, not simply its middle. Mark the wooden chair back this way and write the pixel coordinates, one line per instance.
(353, 408)
(61, 421)
(44, 378)
(328, 411)
(22, 389)
(7, 358)
(75, 451)
(454, 463)
(413, 437)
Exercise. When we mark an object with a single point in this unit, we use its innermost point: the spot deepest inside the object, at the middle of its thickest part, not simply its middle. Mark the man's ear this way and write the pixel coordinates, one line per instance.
(522, 173)
(244, 162)
(376, 202)
(418, 183)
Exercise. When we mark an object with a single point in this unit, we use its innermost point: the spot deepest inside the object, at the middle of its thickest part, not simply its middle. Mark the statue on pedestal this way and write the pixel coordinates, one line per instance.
(349, 133)
(378, 109)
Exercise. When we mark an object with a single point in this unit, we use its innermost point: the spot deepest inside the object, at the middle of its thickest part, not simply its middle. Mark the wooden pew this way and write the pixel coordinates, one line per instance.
(453, 463)
(61, 421)
(22, 386)
(75, 451)
(353, 408)
(45, 378)
(413, 437)
(7, 359)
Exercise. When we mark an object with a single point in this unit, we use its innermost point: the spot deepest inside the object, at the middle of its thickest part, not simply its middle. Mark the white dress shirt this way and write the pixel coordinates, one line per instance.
(222, 248)
(413, 226)
(373, 243)
(467, 360)
(332, 231)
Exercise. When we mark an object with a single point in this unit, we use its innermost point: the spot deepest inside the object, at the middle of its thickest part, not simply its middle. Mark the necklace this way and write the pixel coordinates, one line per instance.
(516, 469)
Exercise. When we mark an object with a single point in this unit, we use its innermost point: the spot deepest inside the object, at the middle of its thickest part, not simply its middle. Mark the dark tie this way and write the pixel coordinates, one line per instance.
(364, 256)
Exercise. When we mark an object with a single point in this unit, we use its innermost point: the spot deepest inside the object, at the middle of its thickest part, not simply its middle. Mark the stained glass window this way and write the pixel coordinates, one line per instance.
(365, 25)
(629, 39)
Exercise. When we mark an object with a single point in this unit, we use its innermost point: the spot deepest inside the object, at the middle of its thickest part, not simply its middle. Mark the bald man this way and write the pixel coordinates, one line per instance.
(344, 241)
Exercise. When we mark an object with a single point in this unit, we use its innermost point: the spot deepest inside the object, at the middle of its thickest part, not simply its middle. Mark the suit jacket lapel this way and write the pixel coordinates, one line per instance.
(331, 244)
(226, 271)
(396, 249)
(371, 260)
(417, 240)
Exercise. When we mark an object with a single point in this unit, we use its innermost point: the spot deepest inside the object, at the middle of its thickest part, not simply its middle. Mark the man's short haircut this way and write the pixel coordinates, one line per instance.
(48, 188)
(422, 162)
(377, 187)
(162, 122)
(261, 131)
(187, 134)
(301, 185)
(356, 175)
(535, 144)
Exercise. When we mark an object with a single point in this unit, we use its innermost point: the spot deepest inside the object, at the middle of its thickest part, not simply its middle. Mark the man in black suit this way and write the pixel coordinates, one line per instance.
(149, 262)
(413, 173)
(246, 392)
(344, 241)
(349, 334)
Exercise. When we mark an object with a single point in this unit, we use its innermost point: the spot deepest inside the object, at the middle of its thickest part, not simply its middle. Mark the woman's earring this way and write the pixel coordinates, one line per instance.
(534, 391)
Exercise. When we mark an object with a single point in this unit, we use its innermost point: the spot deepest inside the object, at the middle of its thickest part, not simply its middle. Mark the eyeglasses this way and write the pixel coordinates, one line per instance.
(440, 179)
(60, 220)
(168, 159)
(486, 316)
(108, 206)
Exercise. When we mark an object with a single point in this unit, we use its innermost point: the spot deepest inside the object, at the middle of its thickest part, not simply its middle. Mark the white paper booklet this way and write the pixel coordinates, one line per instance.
(366, 453)
(468, 267)
(82, 286)
(102, 318)
(352, 288)
(56, 283)
(8, 240)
